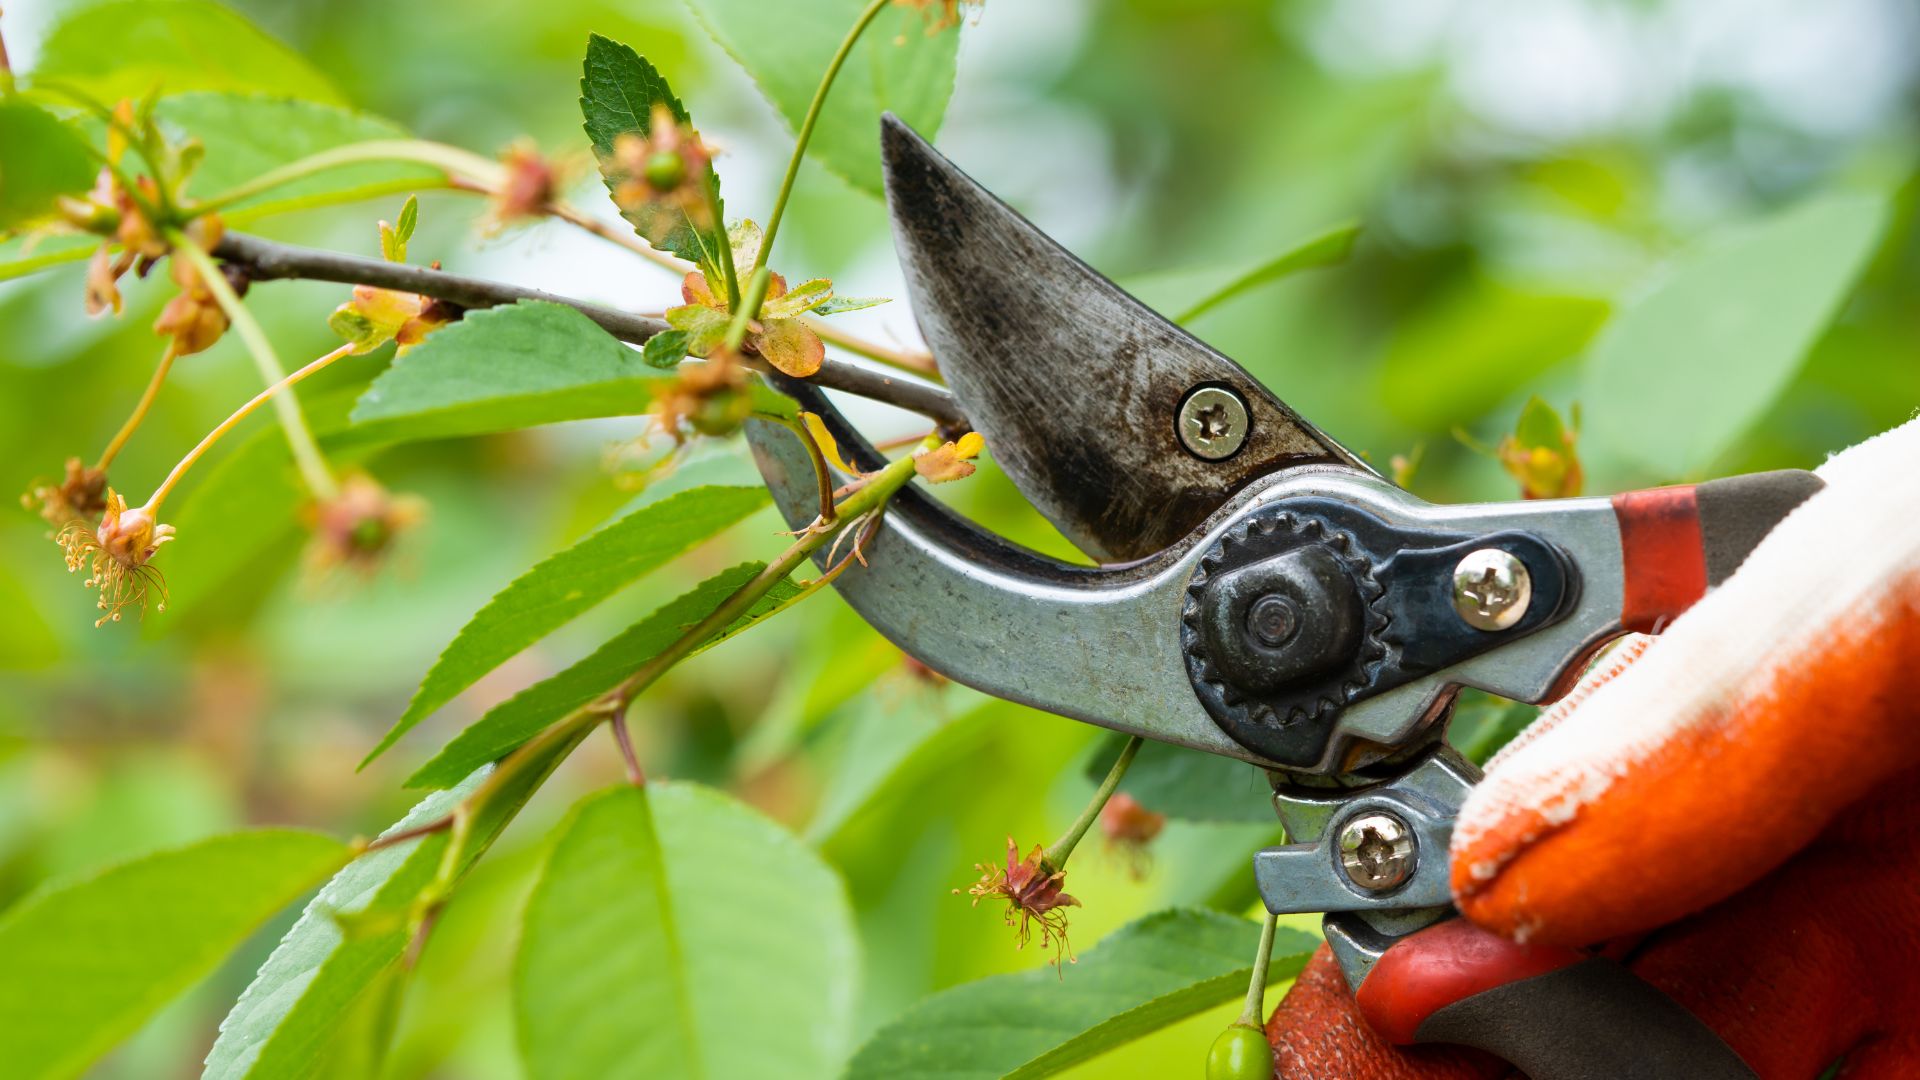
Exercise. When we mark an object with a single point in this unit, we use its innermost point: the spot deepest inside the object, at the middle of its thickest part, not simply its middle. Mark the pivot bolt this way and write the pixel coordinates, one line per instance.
(1491, 589)
(1376, 851)
(1213, 423)
(1272, 620)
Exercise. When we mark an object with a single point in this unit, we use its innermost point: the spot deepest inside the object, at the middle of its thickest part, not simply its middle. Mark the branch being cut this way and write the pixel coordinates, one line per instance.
(267, 260)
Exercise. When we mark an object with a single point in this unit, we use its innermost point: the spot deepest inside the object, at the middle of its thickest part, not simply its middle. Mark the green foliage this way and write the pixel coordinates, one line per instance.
(522, 716)
(247, 135)
(1687, 368)
(128, 48)
(40, 160)
(1141, 977)
(1193, 293)
(1182, 783)
(1329, 248)
(393, 239)
(285, 1017)
(1478, 344)
(667, 348)
(504, 368)
(88, 962)
(618, 92)
(897, 67)
(675, 932)
(564, 585)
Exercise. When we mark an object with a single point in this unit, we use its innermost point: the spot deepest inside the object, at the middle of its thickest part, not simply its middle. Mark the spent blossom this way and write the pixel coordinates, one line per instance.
(1035, 896)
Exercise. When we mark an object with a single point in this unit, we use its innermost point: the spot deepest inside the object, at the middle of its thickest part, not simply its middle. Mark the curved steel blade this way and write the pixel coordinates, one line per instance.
(1075, 384)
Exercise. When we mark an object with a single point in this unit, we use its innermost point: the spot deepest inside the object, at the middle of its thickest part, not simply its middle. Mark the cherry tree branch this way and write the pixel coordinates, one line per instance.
(267, 260)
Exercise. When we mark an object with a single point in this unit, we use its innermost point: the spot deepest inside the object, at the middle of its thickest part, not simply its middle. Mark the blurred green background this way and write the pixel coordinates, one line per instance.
(1523, 171)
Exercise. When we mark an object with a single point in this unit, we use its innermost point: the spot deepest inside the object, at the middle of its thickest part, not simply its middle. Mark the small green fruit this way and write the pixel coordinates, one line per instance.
(665, 170)
(1240, 1053)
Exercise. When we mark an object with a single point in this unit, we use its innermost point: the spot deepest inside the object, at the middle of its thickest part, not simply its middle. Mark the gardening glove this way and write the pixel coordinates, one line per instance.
(1732, 810)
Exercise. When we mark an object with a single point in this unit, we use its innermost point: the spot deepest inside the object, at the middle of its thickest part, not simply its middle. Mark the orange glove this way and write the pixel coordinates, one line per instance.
(1733, 810)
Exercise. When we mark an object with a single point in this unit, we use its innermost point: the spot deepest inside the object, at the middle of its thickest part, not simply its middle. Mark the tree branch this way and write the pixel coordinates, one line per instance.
(267, 260)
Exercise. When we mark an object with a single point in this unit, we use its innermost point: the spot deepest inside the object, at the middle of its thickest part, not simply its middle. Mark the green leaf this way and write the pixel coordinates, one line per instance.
(1183, 783)
(1685, 370)
(1476, 346)
(834, 305)
(524, 715)
(127, 49)
(675, 932)
(1193, 293)
(567, 584)
(86, 963)
(667, 348)
(40, 160)
(504, 368)
(618, 90)
(1540, 426)
(893, 747)
(896, 67)
(702, 328)
(409, 220)
(321, 971)
(1142, 977)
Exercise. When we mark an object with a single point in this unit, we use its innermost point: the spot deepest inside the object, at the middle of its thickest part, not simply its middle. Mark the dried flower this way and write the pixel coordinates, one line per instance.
(940, 13)
(116, 556)
(358, 527)
(712, 398)
(532, 183)
(1032, 890)
(376, 316)
(194, 318)
(660, 179)
(951, 460)
(1129, 828)
(82, 495)
(779, 335)
(1540, 453)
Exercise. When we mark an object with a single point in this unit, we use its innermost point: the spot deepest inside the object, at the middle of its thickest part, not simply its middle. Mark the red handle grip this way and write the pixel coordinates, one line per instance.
(1676, 542)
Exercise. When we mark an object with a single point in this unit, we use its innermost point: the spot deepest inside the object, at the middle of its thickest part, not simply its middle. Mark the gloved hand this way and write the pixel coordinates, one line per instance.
(1733, 808)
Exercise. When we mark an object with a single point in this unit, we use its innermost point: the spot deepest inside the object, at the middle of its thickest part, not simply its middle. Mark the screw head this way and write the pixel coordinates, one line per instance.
(1377, 851)
(1213, 423)
(1272, 620)
(1491, 589)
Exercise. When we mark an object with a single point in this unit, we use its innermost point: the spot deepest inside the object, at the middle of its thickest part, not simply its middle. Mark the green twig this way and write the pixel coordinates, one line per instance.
(806, 127)
(306, 452)
(1057, 853)
(748, 308)
(1257, 986)
(457, 163)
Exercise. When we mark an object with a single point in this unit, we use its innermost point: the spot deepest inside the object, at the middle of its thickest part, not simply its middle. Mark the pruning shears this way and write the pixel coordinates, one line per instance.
(1263, 593)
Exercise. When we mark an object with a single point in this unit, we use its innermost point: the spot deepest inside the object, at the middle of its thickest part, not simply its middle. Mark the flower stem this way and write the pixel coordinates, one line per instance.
(749, 307)
(1058, 852)
(166, 486)
(806, 127)
(139, 411)
(919, 363)
(1257, 986)
(306, 452)
(456, 162)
